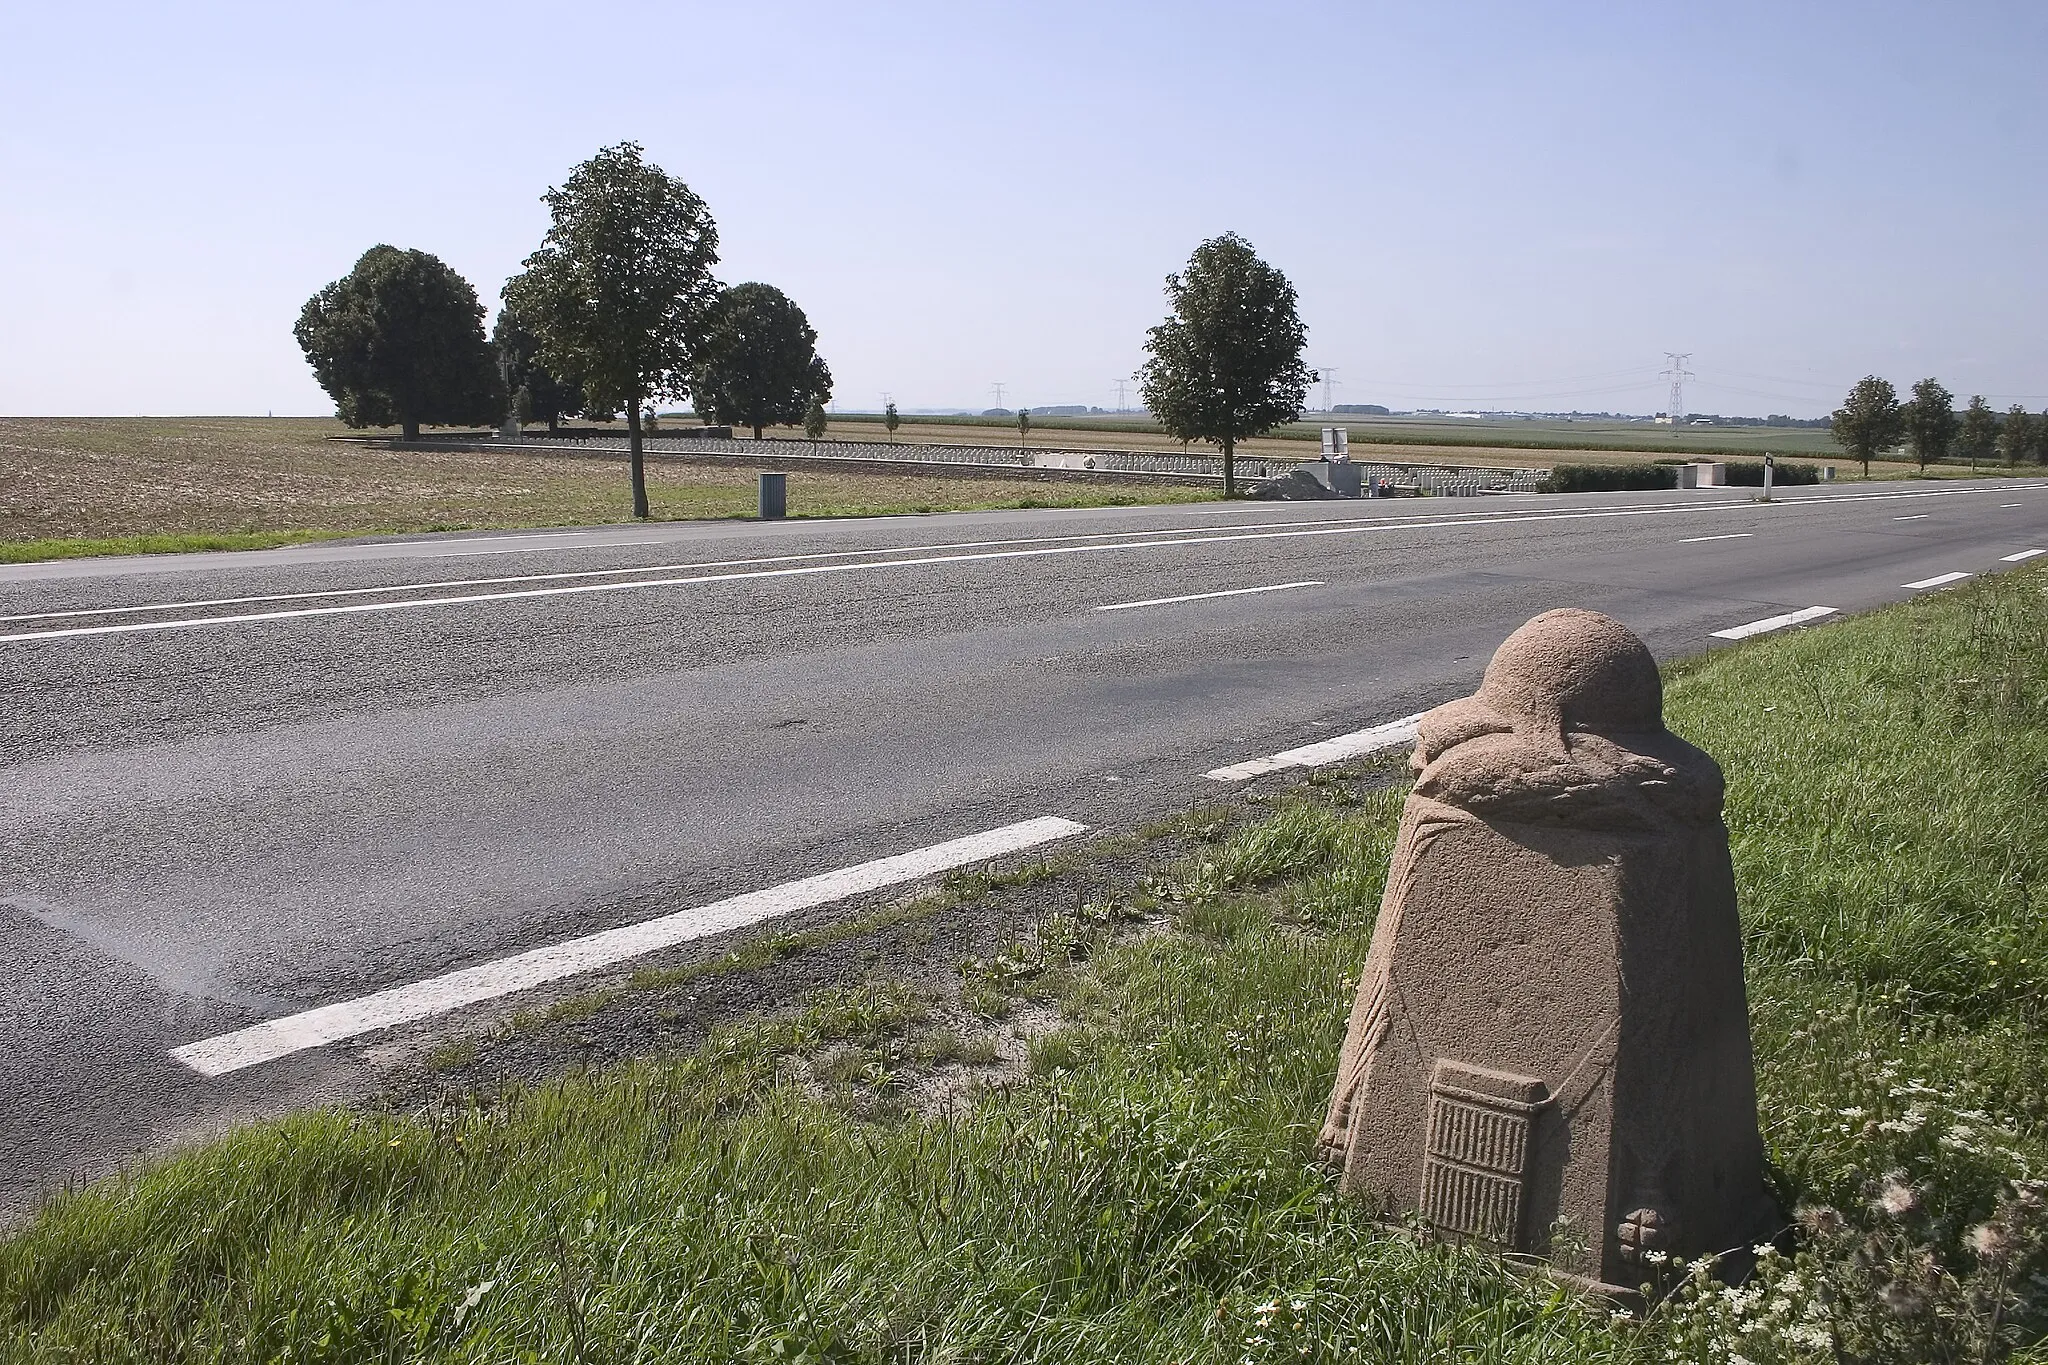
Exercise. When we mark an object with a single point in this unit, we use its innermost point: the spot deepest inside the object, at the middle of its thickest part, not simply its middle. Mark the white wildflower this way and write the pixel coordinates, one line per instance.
(1989, 1241)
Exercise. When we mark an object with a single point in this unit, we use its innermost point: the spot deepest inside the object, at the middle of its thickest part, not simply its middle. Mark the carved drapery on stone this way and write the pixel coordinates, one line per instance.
(1551, 1023)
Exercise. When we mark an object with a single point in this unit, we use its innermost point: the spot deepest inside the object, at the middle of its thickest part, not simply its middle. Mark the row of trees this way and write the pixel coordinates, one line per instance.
(616, 310)
(1874, 420)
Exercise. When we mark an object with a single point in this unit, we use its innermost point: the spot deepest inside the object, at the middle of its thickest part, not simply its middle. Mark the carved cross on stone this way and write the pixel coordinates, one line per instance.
(1551, 1024)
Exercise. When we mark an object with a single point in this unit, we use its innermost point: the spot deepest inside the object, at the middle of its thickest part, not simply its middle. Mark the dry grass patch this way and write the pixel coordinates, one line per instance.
(114, 480)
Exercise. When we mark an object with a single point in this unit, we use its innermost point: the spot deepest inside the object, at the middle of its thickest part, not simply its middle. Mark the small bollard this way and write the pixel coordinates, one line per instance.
(774, 496)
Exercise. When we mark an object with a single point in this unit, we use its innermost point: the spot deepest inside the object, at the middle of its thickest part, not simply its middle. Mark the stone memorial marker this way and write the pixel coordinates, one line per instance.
(1551, 1023)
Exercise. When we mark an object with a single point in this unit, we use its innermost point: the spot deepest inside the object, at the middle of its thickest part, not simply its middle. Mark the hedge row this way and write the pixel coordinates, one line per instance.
(1618, 478)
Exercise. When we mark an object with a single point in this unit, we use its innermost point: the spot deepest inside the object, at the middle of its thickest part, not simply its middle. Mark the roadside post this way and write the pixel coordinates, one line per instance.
(1551, 1021)
(1770, 468)
(774, 496)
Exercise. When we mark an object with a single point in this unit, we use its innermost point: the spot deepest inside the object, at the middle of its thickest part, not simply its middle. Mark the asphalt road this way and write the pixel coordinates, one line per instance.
(235, 786)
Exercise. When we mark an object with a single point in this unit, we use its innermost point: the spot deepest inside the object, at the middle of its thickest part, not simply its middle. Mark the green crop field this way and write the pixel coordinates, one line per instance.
(1532, 434)
(1505, 442)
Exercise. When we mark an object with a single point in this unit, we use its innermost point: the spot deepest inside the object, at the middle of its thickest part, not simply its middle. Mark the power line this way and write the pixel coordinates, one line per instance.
(1120, 393)
(1505, 384)
(1677, 374)
(997, 389)
(1633, 386)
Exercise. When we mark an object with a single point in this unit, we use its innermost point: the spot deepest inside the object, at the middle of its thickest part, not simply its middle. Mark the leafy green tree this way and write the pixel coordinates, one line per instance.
(815, 422)
(537, 395)
(1979, 435)
(890, 420)
(1023, 426)
(399, 340)
(1226, 364)
(2040, 430)
(2016, 435)
(1930, 417)
(1868, 421)
(620, 287)
(759, 362)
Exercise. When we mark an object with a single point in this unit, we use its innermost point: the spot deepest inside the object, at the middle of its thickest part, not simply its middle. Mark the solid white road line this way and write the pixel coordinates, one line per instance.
(1732, 535)
(1205, 596)
(1391, 735)
(567, 575)
(1937, 580)
(1296, 530)
(1383, 521)
(1235, 534)
(536, 549)
(1917, 516)
(2023, 554)
(521, 536)
(1770, 623)
(2003, 505)
(276, 1038)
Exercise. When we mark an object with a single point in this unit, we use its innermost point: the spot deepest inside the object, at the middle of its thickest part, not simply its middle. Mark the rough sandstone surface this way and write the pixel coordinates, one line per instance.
(1551, 1024)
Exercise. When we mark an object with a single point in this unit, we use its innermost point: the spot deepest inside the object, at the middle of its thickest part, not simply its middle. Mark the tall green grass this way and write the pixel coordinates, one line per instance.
(800, 1188)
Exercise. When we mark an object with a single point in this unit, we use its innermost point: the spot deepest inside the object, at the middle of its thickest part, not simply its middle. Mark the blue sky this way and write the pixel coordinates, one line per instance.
(1500, 205)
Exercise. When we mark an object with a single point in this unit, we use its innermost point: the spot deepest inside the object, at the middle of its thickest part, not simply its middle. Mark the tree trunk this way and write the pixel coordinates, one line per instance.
(638, 460)
(554, 423)
(408, 429)
(757, 431)
(1229, 467)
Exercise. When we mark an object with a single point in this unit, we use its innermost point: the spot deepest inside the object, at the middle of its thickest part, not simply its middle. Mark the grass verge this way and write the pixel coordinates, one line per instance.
(1138, 1186)
(35, 551)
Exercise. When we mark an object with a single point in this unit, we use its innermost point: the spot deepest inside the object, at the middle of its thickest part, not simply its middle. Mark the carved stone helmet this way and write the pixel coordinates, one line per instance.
(1575, 670)
(1567, 727)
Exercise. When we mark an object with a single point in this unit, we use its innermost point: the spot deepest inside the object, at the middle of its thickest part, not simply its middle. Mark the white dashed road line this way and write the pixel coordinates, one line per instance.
(1205, 596)
(1391, 735)
(1771, 623)
(1732, 535)
(275, 1038)
(1295, 530)
(692, 573)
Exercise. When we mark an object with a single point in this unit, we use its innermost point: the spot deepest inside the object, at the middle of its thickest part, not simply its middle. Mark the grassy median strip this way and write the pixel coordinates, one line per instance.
(868, 1178)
